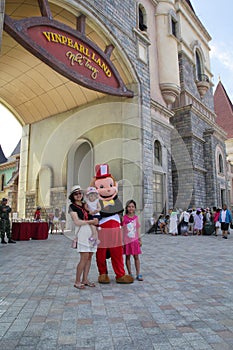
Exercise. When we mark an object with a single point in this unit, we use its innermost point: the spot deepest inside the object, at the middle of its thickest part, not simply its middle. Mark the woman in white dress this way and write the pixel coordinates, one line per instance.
(173, 222)
(83, 232)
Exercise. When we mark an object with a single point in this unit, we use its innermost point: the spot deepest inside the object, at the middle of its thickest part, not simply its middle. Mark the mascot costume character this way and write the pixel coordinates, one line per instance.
(110, 233)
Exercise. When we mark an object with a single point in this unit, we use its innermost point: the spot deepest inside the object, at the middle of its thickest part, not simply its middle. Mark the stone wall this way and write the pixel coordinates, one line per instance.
(198, 134)
(57, 200)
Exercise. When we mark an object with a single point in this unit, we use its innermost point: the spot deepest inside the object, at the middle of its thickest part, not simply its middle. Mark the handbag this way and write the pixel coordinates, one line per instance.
(74, 243)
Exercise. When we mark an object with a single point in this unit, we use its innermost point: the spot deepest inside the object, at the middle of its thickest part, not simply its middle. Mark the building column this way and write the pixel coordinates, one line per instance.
(23, 169)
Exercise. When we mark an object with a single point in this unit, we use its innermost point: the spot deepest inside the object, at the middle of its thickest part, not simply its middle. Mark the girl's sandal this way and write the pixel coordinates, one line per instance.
(139, 278)
(79, 286)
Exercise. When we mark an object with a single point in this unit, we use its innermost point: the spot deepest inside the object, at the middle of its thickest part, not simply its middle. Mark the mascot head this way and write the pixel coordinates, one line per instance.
(104, 182)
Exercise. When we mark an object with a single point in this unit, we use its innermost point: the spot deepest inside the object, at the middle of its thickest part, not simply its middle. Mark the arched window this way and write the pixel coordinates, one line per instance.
(142, 18)
(157, 153)
(200, 76)
(2, 182)
(198, 66)
(220, 164)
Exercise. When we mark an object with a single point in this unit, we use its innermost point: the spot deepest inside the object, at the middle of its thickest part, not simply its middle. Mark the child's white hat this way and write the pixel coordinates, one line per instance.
(91, 190)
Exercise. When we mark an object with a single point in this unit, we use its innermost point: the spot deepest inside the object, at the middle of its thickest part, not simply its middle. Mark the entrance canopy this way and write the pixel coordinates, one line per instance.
(30, 88)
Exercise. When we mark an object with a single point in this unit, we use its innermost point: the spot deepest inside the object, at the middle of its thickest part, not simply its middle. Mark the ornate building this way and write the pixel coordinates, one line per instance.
(224, 111)
(122, 82)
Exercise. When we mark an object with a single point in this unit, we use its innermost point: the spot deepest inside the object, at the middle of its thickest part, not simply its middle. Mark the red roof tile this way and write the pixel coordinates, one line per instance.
(223, 109)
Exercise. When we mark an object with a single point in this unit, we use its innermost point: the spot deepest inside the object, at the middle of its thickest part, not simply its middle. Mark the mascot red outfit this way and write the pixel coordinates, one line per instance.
(110, 234)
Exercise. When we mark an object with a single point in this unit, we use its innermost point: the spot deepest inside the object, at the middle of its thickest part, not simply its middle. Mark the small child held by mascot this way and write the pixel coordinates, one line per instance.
(92, 205)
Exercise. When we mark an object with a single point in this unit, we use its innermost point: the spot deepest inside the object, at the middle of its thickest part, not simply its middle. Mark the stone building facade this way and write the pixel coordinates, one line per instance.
(161, 143)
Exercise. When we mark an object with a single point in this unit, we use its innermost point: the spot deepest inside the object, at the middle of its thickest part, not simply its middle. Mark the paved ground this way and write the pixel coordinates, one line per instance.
(185, 301)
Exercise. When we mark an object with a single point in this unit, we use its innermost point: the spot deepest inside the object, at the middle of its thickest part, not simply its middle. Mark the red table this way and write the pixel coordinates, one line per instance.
(23, 231)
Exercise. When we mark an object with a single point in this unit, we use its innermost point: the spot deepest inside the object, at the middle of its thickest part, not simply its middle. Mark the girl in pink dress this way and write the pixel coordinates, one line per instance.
(132, 239)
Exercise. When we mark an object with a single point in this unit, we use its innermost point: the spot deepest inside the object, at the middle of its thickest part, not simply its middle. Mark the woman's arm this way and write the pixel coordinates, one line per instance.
(79, 222)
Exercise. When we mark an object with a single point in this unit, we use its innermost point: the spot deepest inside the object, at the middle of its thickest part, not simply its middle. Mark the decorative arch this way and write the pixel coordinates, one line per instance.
(80, 164)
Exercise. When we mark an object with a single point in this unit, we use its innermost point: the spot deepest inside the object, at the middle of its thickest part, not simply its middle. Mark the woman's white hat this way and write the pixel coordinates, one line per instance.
(75, 188)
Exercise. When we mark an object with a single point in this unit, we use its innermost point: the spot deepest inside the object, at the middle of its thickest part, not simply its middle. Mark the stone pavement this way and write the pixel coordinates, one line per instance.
(184, 302)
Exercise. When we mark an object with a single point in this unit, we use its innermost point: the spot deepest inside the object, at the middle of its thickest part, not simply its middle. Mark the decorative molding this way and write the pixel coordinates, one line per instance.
(142, 35)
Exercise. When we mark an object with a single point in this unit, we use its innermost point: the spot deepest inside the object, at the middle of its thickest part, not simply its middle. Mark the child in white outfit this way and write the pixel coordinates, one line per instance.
(93, 207)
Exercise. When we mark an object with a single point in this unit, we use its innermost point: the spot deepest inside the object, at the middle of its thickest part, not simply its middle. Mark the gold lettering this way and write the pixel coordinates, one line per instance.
(95, 71)
(81, 48)
(63, 39)
(54, 37)
(87, 52)
(78, 58)
(93, 57)
(69, 42)
(47, 35)
(58, 38)
(84, 57)
(108, 73)
(82, 60)
(76, 46)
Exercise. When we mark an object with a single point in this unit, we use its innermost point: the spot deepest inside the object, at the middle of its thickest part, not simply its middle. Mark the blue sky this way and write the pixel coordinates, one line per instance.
(216, 17)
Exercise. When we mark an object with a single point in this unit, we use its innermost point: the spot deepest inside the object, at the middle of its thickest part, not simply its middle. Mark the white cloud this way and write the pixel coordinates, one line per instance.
(221, 55)
(224, 54)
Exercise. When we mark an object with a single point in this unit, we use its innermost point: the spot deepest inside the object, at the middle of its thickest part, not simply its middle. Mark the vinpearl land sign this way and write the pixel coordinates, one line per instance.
(69, 52)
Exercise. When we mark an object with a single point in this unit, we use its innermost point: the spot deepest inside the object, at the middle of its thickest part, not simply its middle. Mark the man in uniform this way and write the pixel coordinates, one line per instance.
(5, 222)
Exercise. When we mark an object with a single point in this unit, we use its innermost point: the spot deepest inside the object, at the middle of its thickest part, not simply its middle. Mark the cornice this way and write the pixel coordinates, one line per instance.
(157, 107)
(193, 16)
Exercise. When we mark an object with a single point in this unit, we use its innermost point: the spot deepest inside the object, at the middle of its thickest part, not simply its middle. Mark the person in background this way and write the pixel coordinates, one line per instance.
(162, 224)
(167, 220)
(5, 226)
(225, 219)
(191, 220)
(217, 224)
(132, 239)
(184, 222)
(50, 222)
(62, 222)
(37, 214)
(56, 220)
(173, 229)
(198, 222)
